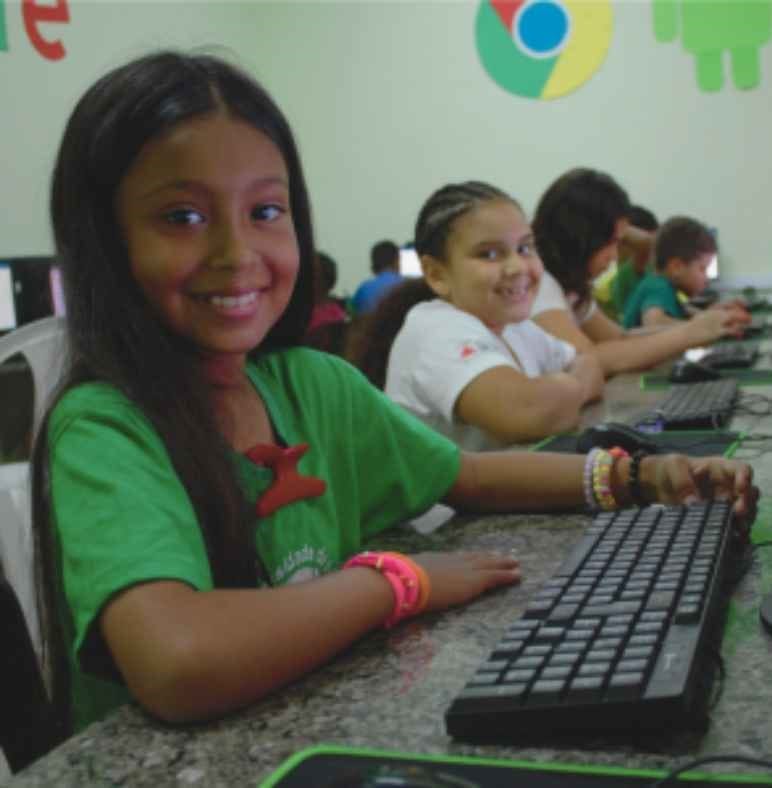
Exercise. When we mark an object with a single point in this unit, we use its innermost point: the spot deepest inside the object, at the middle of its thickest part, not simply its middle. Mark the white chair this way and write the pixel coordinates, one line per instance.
(42, 344)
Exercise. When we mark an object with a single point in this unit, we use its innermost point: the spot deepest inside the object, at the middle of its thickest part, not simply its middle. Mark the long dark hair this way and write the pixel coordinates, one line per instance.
(113, 334)
(371, 339)
(575, 218)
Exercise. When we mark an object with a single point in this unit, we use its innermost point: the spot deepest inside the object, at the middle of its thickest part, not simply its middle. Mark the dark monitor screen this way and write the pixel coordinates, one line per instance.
(29, 290)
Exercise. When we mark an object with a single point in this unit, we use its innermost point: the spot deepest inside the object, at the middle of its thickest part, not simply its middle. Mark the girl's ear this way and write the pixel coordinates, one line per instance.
(436, 275)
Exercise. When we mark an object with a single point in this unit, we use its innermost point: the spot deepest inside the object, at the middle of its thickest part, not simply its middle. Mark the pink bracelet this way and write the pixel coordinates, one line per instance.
(408, 581)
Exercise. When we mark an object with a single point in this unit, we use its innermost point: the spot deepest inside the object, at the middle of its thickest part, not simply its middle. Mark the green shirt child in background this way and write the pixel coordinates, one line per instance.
(683, 250)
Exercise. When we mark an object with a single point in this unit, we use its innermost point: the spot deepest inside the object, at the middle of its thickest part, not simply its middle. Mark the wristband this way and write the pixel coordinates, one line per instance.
(601, 480)
(634, 480)
(589, 463)
(408, 581)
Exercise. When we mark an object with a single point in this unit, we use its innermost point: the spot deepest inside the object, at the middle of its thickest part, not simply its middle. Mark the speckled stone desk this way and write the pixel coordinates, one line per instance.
(391, 689)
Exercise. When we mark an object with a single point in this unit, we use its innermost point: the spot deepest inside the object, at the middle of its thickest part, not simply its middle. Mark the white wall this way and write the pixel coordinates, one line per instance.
(389, 101)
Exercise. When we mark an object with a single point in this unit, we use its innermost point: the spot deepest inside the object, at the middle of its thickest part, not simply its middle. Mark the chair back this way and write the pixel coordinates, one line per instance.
(16, 546)
(42, 343)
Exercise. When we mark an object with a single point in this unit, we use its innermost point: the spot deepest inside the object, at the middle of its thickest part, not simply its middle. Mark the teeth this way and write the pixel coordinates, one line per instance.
(233, 302)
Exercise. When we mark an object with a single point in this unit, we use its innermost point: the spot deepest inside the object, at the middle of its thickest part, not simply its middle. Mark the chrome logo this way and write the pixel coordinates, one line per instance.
(542, 48)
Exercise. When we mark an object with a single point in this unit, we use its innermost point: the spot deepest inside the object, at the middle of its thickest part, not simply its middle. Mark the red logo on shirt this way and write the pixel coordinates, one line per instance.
(468, 350)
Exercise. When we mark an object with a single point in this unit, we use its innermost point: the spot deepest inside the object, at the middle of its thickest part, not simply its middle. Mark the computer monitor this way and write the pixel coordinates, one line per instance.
(712, 271)
(409, 262)
(30, 289)
(57, 290)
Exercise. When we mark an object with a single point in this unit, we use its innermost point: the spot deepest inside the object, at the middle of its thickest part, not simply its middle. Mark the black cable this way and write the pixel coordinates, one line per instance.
(715, 654)
(663, 781)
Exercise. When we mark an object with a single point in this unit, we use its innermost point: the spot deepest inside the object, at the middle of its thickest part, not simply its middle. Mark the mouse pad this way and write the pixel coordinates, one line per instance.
(341, 767)
(744, 377)
(695, 443)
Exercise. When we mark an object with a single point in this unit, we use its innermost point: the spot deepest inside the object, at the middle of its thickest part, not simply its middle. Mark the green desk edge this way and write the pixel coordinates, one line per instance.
(586, 769)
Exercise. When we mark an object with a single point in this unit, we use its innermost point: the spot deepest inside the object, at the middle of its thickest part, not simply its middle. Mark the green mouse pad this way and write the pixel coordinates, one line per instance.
(695, 443)
(744, 377)
(341, 767)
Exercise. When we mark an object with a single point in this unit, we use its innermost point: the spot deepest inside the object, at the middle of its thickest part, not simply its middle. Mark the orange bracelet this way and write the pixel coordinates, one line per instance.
(408, 581)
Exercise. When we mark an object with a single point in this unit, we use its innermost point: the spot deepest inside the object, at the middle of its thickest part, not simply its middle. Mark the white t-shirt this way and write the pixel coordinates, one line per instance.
(440, 349)
(551, 295)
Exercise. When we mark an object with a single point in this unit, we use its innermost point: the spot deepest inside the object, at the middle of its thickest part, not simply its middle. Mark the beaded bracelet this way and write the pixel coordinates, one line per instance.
(601, 480)
(589, 464)
(408, 581)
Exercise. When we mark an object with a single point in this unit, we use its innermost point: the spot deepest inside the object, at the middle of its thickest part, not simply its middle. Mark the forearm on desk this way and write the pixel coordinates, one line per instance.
(188, 655)
(643, 351)
(518, 480)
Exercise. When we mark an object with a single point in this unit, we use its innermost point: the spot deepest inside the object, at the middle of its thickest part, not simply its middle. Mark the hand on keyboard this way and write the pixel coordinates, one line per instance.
(456, 578)
(674, 478)
(712, 324)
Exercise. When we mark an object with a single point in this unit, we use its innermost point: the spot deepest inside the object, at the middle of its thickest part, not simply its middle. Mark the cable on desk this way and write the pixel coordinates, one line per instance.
(748, 401)
(720, 667)
(670, 777)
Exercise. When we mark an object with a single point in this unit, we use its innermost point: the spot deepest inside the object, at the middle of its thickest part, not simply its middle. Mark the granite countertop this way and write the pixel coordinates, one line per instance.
(391, 689)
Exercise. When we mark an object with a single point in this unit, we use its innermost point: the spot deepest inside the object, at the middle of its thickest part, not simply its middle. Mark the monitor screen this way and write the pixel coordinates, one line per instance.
(7, 304)
(713, 268)
(28, 291)
(56, 289)
(409, 262)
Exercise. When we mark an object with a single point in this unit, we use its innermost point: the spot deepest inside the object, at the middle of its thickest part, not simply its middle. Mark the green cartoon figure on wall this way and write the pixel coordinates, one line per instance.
(710, 27)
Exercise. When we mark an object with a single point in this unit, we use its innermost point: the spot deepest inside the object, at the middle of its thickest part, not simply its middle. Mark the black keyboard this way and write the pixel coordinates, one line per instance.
(731, 356)
(700, 406)
(616, 640)
(757, 325)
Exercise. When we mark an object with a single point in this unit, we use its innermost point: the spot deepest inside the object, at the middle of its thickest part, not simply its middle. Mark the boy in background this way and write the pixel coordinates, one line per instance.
(683, 250)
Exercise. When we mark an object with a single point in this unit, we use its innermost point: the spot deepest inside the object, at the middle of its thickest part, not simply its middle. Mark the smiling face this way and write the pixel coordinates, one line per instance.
(205, 213)
(491, 268)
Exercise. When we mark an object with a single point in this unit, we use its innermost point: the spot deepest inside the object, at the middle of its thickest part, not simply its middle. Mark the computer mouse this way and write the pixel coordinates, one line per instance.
(685, 371)
(611, 433)
(765, 612)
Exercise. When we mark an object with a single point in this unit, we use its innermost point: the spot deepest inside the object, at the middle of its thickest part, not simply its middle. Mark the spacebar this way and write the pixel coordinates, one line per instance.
(611, 609)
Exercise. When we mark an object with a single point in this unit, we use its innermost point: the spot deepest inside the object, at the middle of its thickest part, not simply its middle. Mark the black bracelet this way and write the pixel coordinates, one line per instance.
(634, 481)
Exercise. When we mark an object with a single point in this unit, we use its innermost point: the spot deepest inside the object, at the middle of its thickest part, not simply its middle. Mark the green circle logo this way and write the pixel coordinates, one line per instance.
(542, 48)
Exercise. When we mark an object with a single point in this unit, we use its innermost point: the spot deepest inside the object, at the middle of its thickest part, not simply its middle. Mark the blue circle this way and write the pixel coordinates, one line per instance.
(543, 26)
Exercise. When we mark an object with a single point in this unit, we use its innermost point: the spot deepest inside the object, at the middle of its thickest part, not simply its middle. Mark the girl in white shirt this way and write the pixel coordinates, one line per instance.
(466, 359)
(578, 225)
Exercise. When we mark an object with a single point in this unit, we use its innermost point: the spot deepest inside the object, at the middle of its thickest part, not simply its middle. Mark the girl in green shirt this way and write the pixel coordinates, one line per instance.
(200, 481)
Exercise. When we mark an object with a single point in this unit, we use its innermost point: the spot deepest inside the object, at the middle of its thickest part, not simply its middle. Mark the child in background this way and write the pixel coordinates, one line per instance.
(327, 327)
(579, 223)
(202, 485)
(465, 358)
(635, 260)
(683, 251)
(384, 263)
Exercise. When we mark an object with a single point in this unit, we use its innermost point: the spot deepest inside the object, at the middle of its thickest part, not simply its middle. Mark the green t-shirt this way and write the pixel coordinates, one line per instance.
(123, 517)
(624, 283)
(653, 291)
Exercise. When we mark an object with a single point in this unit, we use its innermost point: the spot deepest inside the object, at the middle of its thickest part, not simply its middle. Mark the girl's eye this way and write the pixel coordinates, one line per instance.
(267, 213)
(184, 216)
(525, 249)
(490, 254)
